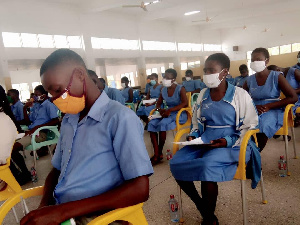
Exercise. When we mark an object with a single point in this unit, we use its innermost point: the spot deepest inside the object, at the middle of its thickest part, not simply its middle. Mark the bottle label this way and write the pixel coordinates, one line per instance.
(174, 207)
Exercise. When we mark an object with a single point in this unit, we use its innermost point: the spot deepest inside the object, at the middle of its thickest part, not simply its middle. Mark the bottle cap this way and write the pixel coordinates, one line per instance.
(281, 157)
(171, 196)
(168, 150)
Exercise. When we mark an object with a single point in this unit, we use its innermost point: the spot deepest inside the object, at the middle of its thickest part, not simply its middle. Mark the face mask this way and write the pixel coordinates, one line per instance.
(298, 60)
(153, 82)
(212, 80)
(167, 83)
(123, 85)
(9, 99)
(40, 98)
(258, 66)
(68, 103)
(188, 78)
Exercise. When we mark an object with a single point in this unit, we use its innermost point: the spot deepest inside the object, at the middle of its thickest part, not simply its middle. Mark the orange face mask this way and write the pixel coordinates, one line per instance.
(68, 103)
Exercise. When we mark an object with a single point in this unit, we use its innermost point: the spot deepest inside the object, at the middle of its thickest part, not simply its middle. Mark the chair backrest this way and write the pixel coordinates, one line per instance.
(194, 98)
(189, 96)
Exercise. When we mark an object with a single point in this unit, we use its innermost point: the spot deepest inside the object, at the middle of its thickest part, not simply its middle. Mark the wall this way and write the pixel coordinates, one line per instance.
(285, 60)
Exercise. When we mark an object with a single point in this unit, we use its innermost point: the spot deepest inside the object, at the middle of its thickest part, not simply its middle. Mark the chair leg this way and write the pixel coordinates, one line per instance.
(15, 214)
(286, 154)
(263, 191)
(49, 150)
(294, 143)
(244, 202)
(181, 220)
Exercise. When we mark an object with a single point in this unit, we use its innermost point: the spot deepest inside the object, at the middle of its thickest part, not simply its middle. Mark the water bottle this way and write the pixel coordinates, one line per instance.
(169, 154)
(282, 166)
(33, 175)
(174, 213)
(69, 222)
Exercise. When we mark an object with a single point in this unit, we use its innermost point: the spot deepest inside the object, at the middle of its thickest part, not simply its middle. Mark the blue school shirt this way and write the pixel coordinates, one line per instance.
(296, 66)
(240, 80)
(100, 152)
(43, 114)
(114, 94)
(17, 110)
(147, 88)
(191, 85)
(125, 93)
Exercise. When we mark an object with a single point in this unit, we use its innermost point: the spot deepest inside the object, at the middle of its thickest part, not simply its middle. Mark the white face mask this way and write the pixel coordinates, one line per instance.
(298, 60)
(188, 78)
(166, 83)
(123, 85)
(212, 80)
(258, 66)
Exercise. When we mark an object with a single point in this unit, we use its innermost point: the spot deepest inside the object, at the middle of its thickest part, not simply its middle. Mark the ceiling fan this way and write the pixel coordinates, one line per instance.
(143, 5)
(207, 19)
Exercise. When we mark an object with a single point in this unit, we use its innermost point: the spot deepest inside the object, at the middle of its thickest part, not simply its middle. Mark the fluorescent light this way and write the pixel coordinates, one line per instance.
(155, 1)
(191, 13)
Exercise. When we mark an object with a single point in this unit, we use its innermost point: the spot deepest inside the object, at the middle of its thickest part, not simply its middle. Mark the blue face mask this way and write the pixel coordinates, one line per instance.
(153, 82)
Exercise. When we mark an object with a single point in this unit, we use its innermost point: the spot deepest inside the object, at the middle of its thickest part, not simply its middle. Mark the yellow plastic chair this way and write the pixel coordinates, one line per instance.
(239, 175)
(288, 122)
(130, 106)
(133, 214)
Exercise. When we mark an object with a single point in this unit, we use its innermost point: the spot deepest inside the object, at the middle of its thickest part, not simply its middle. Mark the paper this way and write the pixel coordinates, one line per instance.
(155, 116)
(196, 141)
(150, 101)
(20, 135)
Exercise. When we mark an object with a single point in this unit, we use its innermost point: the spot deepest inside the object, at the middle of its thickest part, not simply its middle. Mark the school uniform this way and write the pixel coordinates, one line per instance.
(169, 123)
(125, 93)
(114, 94)
(238, 115)
(154, 93)
(100, 152)
(269, 122)
(296, 66)
(147, 88)
(240, 80)
(191, 85)
(17, 110)
(290, 77)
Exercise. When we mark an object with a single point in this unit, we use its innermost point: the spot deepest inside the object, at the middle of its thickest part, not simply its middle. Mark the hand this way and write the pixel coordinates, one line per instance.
(189, 138)
(29, 132)
(49, 215)
(166, 113)
(147, 104)
(219, 143)
(28, 104)
(262, 109)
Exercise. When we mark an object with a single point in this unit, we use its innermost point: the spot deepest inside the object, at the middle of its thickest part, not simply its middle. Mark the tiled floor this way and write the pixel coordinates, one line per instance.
(283, 194)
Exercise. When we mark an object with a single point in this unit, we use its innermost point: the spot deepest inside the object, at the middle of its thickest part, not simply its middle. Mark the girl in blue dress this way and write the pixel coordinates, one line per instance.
(153, 93)
(221, 117)
(264, 87)
(127, 91)
(175, 97)
(297, 66)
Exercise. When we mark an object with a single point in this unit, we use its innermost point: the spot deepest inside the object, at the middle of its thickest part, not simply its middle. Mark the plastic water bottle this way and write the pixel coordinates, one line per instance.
(69, 222)
(33, 175)
(174, 213)
(169, 154)
(282, 167)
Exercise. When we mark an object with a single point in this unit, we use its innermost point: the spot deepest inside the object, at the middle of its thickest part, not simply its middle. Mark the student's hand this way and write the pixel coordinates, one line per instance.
(189, 138)
(161, 111)
(262, 109)
(47, 216)
(147, 104)
(28, 104)
(28, 132)
(219, 143)
(166, 113)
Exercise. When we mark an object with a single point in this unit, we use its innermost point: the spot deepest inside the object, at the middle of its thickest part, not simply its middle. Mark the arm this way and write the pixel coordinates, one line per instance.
(184, 102)
(245, 86)
(52, 122)
(159, 102)
(130, 92)
(129, 193)
(297, 77)
(26, 120)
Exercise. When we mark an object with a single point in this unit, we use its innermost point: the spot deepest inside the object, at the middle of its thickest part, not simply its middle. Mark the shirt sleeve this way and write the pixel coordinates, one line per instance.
(20, 112)
(57, 157)
(129, 146)
(117, 96)
(197, 84)
(52, 110)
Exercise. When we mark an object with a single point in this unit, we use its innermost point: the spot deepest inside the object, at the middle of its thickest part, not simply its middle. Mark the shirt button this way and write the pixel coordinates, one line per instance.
(70, 151)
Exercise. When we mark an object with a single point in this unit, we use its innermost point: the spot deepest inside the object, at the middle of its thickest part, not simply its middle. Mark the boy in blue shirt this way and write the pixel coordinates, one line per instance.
(17, 106)
(101, 162)
(190, 85)
(240, 80)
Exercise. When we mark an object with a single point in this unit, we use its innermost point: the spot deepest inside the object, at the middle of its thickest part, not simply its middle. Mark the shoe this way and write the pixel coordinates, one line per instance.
(24, 179)
(276, 136)
(154, 160)
(214, 221)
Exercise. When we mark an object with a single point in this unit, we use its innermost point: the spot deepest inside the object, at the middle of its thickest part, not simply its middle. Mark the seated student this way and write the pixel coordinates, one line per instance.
(17, 106)
(154, 92)
(190, 85)
(264, 87)
(112, 93)
(101, 162)
(297, 65)
(148, 85)
(43, 114)
(240, 80)
(222, 129)
(175, 97)
(127, 91)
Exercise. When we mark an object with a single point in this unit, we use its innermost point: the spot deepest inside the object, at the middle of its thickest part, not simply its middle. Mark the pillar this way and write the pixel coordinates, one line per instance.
(177, 67)
(141, 69)
(89, 53)
(5, 80)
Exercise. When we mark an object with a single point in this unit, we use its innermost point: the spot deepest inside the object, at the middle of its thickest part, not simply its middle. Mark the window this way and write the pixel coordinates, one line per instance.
(295, 47)
(171, 65)
(190, 47)
(45, 41)
(131, 78)
(23, 89)
(29, 40)
(162, 69)
(34, 84)
(285, 49)
(158, 46)
(61, 41)
(197, 62)
(274, 50)
(154, 70)
(74, 41)
(191, 65)
(116, 44)
(212, 47)
(249, 55)
(148, 72)
(183, 66)
(136, 74)
(111, 81)
(11, 39)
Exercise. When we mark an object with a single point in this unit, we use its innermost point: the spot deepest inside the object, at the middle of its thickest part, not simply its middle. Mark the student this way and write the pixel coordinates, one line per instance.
(175, 97)
(112, 93)
(101, 162)
(297, 66)
(154, 92)
(240, 80)
(17, 106)
(264, 87)
(43, 114)
(148, 85)
(127, 91)
(222, 129)
(191, 85)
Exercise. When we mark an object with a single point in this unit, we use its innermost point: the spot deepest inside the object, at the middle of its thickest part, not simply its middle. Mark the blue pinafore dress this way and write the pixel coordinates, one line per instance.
(169, 123)
(154, 93)
(290, 77)
(125, 93)
(271, 121)
(193, 163)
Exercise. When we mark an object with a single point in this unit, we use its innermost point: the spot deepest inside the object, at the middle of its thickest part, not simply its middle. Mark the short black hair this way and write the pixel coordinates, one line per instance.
(125, 79)
(92, 73)
(272, 67)
(154, 75)
(188, 72)
(263, 51)
(172, 71)
(61, 56)
(221, 58)
(102, 80)
(243, 67)
(41, 89)
(14, 91)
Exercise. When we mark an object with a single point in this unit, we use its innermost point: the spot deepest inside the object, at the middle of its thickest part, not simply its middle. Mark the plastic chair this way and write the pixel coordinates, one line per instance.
(133, 214)
(239, 175)
(194, 98)
(288, 122)
(130, 106)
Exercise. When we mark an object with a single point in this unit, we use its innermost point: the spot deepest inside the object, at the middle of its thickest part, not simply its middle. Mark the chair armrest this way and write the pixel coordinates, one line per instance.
(189, 114)
(288, 116)
(177, 138)
(36, 132)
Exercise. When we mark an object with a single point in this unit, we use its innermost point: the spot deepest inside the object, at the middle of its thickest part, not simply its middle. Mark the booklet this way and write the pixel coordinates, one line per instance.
(196, 141)
(20, 135)
(150, 101)
(154, 116)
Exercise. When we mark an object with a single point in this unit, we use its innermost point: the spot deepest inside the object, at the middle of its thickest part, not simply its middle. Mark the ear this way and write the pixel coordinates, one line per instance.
(226, 71)
(267, 61)
(81, 73)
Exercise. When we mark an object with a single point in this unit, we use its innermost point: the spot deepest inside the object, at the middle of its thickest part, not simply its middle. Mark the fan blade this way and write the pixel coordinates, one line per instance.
(195, 21)
(145, 9)
(130, 6)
